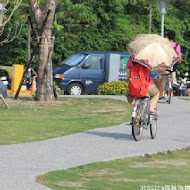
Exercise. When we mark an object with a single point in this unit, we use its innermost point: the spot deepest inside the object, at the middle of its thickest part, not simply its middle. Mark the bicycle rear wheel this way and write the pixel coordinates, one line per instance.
(168, 96)
(137, 128)
(153, 126)
(168, 89)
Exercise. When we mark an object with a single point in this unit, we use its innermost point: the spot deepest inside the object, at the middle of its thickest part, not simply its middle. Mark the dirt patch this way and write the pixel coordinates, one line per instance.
(148, 156)
(172, 162)
(62, 183)
(161, 164)
(26, 103)
(129, 180)
(70, 184)
(102, 173)
(98, 173)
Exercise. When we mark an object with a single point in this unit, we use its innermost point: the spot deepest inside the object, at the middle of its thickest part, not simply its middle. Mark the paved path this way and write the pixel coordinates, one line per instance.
(21, 163)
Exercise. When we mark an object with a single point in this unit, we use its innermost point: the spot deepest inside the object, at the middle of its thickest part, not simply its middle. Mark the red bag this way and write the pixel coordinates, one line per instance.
(138, 85)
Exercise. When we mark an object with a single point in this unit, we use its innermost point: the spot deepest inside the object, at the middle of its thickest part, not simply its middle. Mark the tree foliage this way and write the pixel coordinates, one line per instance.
(105, 26)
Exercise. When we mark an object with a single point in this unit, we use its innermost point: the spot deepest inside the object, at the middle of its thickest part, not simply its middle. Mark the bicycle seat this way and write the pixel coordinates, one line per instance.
(144, 97)
(170, 72)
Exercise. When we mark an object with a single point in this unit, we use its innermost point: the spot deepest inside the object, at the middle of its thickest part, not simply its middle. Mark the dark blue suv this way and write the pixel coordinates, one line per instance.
(83, 72)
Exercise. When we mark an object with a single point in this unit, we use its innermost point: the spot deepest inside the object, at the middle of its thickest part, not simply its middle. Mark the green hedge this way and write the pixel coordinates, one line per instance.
(113, 88)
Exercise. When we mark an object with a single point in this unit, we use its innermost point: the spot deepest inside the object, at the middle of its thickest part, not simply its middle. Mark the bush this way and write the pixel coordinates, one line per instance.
(113, 88)
(57, 89)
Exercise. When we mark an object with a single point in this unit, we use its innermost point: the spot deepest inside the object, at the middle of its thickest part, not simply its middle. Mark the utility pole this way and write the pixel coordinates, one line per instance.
(150, 18)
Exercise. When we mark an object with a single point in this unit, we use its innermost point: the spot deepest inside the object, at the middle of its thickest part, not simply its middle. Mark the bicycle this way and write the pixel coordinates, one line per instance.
(168, 88)
(141, 119)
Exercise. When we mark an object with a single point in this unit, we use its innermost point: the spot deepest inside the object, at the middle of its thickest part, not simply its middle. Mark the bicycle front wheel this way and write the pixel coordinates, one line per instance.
(137, 129)
(153, 126)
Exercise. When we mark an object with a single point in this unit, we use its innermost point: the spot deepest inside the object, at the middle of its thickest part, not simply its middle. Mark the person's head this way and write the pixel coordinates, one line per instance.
(171, 35)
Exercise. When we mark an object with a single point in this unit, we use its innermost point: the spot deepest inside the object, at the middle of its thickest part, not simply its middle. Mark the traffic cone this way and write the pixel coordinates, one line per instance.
(172, 93)
(188, 92)
(33, 87)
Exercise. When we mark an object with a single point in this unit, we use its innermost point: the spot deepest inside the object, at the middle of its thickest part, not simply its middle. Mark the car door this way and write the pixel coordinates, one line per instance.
(123, 67)
(92, 72)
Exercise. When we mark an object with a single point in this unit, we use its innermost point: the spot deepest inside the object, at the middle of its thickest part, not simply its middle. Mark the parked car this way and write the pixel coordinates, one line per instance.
(82, 73)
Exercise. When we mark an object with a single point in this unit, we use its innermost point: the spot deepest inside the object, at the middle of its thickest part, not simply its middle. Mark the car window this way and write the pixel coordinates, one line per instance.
(74, 60)
(123, 62)
(94, 61)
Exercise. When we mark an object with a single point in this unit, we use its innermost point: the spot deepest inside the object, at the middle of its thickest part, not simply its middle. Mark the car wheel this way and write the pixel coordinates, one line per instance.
(75, 89)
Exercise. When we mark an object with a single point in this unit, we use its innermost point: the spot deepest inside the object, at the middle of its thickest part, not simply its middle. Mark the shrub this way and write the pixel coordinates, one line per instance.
(113, 88)
(57, 89)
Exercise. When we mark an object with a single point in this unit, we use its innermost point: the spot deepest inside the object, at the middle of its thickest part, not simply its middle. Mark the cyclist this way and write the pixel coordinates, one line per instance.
(159, 77)
(153, 91)
(171, 36)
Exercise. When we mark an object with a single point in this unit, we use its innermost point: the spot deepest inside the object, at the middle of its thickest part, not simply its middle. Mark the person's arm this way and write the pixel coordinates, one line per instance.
(178, 50)
(163, 71)
(128, 74)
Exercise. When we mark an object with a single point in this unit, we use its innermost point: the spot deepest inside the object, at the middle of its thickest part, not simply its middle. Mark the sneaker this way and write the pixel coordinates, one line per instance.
(161, 98)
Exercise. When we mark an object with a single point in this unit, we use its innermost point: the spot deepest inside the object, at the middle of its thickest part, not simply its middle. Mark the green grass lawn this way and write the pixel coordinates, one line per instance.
(28, 121)
(160, 171)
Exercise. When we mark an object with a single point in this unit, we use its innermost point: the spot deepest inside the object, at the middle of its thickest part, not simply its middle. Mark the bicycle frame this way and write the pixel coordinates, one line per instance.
(168, 88)
(141, 118)
(144, 107)
(168, 82)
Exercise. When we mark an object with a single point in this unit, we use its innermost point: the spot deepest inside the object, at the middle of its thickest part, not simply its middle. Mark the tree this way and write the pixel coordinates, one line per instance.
(102, 25)
(44, 20)
(8, 9)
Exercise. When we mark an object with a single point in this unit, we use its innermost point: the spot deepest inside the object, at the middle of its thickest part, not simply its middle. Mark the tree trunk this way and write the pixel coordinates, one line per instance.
(45, 80)
(29, 40)
(45, 21)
